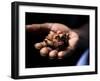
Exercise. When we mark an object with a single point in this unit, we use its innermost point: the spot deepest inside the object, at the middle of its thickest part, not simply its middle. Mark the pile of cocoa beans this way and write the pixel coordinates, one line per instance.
(54, 45)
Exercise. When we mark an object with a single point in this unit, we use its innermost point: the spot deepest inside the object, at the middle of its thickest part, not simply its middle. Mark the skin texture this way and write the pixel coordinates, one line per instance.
(74, 36)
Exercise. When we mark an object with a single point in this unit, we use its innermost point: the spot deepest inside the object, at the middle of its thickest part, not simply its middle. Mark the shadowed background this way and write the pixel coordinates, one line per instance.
(33, 58)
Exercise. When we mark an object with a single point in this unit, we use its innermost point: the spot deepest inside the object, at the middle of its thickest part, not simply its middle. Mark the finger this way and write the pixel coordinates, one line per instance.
(45, 51)
(65, 53)
(40, 45)
(35, 27)
(53, 54)
(61, 54)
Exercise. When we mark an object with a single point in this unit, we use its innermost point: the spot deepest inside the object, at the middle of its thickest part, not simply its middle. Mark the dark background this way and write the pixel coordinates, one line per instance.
(33, 58)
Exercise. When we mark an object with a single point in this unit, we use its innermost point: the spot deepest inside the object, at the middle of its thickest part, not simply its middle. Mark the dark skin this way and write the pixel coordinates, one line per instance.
(78, 38)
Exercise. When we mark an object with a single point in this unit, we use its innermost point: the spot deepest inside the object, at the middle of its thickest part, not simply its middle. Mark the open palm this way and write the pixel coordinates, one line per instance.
(73, 36)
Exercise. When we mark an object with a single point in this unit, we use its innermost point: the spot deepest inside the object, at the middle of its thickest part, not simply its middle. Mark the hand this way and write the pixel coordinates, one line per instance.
(47, 27)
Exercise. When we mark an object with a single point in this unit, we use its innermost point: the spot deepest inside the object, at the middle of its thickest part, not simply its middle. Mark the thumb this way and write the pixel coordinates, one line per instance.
(36, 27)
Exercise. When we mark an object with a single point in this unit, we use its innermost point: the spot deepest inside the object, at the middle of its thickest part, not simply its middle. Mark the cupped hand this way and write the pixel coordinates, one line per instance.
(73, 38)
